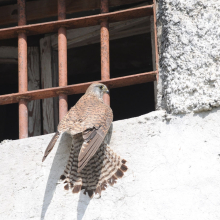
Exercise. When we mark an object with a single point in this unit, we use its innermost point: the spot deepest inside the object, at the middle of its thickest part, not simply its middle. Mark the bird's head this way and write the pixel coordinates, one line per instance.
(97, 89)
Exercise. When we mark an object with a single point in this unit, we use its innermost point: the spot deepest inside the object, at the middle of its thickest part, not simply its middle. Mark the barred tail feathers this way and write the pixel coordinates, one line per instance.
(105, 167)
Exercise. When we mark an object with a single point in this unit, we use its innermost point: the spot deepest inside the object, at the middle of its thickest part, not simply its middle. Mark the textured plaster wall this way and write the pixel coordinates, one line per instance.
(174, 173)
(189, 36)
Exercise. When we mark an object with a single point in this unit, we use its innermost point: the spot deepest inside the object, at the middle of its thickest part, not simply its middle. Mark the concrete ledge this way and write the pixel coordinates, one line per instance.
(174, 173)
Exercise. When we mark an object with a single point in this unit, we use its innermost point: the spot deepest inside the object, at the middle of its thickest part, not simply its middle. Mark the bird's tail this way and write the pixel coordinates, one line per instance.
(104, 168)
(51, 145)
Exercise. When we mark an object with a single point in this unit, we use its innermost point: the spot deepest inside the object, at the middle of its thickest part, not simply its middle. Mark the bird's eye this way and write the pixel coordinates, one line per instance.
(101, 87)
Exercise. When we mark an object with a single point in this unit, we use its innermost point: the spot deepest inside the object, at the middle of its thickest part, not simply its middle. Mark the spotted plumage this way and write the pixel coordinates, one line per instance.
(92, 164)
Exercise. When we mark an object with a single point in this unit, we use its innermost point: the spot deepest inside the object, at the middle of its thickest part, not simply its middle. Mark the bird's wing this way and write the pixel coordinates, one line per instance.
(72, 120)
(51, 145)
(91, 117)
(97, 125)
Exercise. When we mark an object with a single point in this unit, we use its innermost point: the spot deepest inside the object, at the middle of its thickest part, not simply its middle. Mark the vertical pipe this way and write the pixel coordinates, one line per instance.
(22, 71)
(62, 57)
(104, 33)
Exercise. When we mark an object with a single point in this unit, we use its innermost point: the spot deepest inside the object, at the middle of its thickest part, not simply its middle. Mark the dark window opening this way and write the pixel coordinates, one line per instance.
(8, 113)
(9, 124)
(130, 55)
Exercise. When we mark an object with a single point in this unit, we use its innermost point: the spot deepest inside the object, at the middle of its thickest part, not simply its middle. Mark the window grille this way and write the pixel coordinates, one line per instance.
(61, 25)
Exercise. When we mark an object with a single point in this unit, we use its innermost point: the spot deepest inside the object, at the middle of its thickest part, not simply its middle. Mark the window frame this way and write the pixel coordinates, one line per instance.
(22, 31)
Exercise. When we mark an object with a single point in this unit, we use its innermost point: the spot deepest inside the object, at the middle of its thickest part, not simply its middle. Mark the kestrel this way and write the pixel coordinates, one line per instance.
(92, 163)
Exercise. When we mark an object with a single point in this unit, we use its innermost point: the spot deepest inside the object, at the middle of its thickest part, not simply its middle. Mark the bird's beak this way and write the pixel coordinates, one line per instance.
(106, 91)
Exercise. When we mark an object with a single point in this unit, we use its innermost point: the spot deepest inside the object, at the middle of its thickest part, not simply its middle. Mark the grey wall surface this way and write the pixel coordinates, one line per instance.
(189, 36)
(174, 173)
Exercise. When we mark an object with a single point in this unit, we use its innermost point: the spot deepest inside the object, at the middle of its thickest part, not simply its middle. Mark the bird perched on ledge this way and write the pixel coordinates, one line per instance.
(92, 164)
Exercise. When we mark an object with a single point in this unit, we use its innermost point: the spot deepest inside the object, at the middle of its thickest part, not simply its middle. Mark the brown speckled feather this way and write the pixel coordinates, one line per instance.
(91, 117)
(89, 113)
(51, 145)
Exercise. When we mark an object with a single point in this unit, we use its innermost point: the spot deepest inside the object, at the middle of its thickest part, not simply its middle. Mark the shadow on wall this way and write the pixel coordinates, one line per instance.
(56, 170)
(83, 203)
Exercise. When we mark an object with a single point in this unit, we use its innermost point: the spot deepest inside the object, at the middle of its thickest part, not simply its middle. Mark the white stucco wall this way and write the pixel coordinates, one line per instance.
(189, 36)
(174, 173)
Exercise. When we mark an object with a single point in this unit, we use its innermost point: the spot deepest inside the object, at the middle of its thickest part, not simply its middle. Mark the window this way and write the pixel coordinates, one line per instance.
(132, 63)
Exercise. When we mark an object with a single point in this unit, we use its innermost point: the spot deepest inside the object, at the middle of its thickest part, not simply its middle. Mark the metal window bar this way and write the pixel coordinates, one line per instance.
(104, 41)
(62, 59)
(22, 71)
(103, 19)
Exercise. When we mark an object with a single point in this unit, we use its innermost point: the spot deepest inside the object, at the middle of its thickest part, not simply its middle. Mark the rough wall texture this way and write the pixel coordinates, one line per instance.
(189, 36)
(174, 173)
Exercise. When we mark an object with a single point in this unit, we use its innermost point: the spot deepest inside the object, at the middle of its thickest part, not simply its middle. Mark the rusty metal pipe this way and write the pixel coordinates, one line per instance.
(62, 57)
(22, 71)
(104, 34)
(74, 23)
(78, 88)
